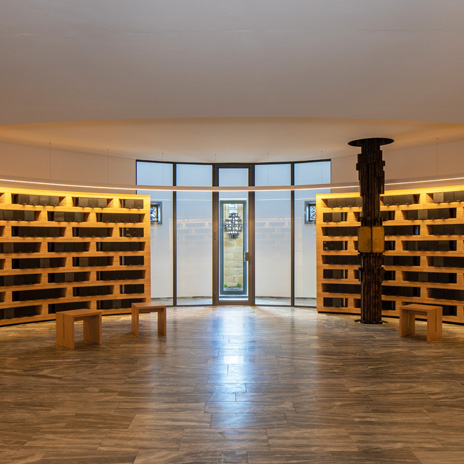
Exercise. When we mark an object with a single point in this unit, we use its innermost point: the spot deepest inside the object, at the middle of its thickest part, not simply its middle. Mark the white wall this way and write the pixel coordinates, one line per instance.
(60, 165)
(71, 166)
(442, 159)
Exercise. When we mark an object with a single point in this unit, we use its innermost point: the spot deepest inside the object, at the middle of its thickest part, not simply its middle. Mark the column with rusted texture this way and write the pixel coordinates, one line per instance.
(370, 167)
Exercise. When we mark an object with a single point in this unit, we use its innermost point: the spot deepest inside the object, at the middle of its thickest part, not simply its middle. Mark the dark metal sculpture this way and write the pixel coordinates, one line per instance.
(371, 236)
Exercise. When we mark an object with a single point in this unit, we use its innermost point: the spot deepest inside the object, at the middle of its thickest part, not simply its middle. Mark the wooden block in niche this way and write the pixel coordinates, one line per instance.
(422, 277)
(439, 197)
(331, 202)
(83, 202)
(8, 280)
(59, 216)
(33, 199)
(8, 313)
(8, 215)
(138, 204)
(102, 203)
(408, 199)
(129, 203)
(54, 201)
(29, 216)
(443, 246)
(93, 202)
(5, 214)
(433, 213)
(422, 214)
(338, 274)
(23, 199)
(458, 196)
(44, 200)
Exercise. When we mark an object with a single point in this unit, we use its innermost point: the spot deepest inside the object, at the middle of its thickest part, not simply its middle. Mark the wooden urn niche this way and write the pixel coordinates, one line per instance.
(424, 251)
(63, 251)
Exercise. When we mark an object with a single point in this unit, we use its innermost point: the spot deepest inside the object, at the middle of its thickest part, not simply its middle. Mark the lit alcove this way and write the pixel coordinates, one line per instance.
(233, 247)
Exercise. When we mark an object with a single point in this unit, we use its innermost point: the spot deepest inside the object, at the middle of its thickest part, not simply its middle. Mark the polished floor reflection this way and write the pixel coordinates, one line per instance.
(233, 385)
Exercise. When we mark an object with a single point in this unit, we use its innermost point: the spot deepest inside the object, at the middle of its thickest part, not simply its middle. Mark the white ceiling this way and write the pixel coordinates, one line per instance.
(102, 75)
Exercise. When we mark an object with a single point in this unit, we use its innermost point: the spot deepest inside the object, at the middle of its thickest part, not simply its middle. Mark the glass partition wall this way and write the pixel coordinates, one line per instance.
(161, 228)
(235, 247)
(194, 236)
(273, 236)
(305, 229)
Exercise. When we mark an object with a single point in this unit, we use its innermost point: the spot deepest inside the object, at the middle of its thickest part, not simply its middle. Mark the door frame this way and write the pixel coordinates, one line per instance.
(251, 237)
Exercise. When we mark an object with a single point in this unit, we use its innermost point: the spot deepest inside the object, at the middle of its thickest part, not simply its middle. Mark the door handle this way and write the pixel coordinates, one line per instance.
(246, 256)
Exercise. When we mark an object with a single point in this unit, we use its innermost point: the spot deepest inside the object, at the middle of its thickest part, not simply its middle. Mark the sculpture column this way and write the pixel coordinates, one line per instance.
(371, 239)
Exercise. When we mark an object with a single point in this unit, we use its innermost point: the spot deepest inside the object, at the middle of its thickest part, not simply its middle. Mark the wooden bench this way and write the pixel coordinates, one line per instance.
(92, 320)
(148, 307)
(434, 316)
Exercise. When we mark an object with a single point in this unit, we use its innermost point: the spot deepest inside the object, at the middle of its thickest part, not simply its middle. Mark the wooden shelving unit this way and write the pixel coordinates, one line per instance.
(424, 257)
(61, 251)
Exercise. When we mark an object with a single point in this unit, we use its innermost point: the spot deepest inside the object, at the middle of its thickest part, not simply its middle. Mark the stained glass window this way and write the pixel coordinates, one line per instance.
(310, 212)
(155, 212)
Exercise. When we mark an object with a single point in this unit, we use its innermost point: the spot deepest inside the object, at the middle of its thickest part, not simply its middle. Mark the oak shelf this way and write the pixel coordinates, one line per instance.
(62, 251)
(424, 257)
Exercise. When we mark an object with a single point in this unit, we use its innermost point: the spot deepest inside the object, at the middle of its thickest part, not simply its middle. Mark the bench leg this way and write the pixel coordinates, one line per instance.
(135, 321)
(162, 322)
(434, 330)
(93, 329)
(64, 331)
(407, 323)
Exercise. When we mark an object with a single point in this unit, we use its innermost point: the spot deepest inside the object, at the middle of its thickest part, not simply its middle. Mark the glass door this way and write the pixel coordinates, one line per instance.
(233, 246)
(233, 237)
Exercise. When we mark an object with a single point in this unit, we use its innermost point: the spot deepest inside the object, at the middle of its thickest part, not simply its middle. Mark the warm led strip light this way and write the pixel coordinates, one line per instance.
(285, 188)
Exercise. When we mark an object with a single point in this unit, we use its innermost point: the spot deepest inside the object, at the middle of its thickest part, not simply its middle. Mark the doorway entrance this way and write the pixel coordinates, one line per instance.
(233, 236)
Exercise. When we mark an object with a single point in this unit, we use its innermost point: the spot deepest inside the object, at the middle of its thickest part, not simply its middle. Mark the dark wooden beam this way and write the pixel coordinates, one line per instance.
(370, 167)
